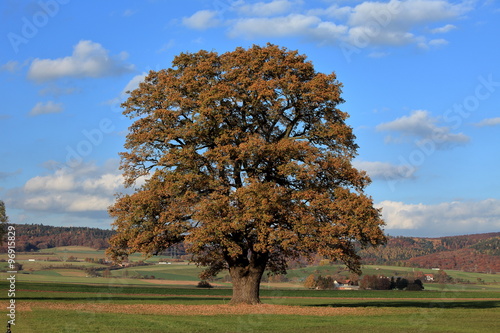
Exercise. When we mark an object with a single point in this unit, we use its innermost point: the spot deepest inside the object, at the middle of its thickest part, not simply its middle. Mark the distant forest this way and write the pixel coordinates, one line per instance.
(34, 237)
(472, 253)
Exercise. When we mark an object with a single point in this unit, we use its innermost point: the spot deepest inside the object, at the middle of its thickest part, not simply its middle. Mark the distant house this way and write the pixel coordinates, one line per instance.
(31, 259)
(345, 286)
(429, 277)
(348, 287)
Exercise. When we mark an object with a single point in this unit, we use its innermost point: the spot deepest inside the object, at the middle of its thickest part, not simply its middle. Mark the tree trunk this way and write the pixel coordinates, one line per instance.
(246, 279)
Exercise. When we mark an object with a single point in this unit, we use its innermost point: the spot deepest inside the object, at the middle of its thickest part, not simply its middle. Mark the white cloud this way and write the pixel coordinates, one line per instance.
(89, 59)
(405, 14)
(59, 181)
(201, 20)
(87, 190)
(11, 66)
(420, 126)
(443, 29)
(448, 218)
(384, 171)
(130, 86)
(106, 183)
(274, 27)
(292, 25)
(67, 202)
(438, 42)
(134, 82)
(266, 8)
(396, 22)
(57, 91)
(488, 122)
(334, 11)
(45, 108)
(369, 23)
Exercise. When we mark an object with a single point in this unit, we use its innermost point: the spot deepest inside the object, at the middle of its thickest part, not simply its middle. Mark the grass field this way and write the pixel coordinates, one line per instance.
(39, 267)
(55, 294)
(48, 307)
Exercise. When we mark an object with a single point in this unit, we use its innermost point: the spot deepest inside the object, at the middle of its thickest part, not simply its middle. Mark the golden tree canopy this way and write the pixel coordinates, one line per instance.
(248, 159)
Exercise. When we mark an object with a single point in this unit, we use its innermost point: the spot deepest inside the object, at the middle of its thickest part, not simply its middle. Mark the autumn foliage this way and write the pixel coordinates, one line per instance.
(247, 159)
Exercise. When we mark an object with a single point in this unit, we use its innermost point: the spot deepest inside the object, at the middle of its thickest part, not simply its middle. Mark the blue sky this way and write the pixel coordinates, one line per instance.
(421, 83)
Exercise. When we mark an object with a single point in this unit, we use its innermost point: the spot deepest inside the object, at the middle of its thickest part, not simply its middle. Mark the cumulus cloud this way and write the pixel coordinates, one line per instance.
(45, 108)
(201, 20)
(422, 128)
(384, 171)
(369, 23)
(86, 190)
(488, 122)
(448, 218)
(265, 8)
(11, 66)
(443, 29)
(290, 25)
(438, 42)
(89, 59)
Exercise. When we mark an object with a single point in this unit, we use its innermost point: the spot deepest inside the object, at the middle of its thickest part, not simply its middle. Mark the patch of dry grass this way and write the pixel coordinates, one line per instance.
(201, 310)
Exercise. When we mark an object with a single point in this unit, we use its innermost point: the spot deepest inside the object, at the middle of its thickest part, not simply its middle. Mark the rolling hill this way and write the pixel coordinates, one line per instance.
(470, 253)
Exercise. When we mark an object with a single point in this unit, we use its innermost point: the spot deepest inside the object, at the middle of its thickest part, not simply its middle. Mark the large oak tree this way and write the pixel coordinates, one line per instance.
(247, 159)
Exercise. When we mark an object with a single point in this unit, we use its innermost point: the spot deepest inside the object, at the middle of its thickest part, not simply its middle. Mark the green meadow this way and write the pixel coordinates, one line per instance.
(54, 293)
(375, 311)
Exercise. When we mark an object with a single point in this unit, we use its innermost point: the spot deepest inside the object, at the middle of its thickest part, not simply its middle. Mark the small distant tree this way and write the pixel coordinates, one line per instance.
(416, 285)
(92, 272)
(443, 277)
(277, 278)
(418, 275)
(204, 284)
(325, 282)
(354, 279)
(3, 221)
(383, 283)
(401, 283)
(106, 273)
(310, 282)
(375, 282)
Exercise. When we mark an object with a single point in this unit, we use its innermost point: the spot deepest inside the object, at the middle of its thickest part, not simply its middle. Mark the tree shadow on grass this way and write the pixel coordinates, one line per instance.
(171, 300)
(418, 304)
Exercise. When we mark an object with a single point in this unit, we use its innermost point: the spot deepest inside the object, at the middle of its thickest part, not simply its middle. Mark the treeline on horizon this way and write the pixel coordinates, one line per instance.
(35, 237)
(472, 253)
